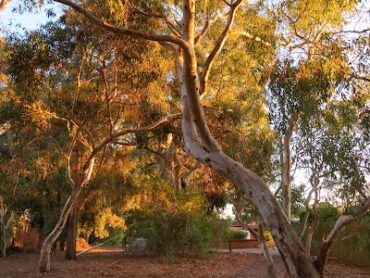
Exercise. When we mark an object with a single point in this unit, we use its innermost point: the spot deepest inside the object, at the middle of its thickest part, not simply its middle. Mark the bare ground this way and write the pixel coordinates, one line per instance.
(112, 262)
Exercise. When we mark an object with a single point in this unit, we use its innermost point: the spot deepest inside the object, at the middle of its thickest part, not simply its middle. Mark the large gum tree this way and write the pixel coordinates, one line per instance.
(199, 142)
(186, 23)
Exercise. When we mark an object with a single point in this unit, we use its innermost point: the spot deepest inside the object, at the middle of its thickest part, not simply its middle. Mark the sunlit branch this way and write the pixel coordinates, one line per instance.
(123, 31)
(3, 4)
(204, 29)
(170, 24)
(115, 135)
(218, 47)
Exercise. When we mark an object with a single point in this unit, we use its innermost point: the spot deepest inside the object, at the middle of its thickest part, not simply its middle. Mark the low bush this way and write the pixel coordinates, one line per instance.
(173, 234)
(236, 235)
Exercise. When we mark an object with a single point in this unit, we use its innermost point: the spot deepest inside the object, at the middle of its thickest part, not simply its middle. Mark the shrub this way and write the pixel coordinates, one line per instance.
(236, 234)
(173, 233)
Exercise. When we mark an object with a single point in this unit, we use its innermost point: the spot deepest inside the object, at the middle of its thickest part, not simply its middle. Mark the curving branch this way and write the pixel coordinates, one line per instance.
(83, 180)
(123, 31)
(115, 135)
(218, 46)
(204, 29)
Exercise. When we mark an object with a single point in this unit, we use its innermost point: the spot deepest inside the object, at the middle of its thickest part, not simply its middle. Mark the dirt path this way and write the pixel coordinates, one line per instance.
(112, 262)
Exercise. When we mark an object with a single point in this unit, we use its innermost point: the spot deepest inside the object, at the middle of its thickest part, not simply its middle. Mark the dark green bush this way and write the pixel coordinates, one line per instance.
(174, 234)
(235, 234)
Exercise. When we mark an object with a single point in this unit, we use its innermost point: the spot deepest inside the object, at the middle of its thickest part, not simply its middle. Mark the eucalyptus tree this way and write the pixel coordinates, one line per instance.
(307, 37)
(197, 137)
(335, 148)
(295, 94)
(183, 28)
(346, 150)
(72, 87)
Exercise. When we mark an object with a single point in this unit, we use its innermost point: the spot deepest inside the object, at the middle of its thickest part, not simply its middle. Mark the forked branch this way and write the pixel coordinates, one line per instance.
(218, 47)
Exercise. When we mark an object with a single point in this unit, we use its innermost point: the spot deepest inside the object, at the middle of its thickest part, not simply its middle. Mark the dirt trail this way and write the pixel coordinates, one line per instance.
(112, 262)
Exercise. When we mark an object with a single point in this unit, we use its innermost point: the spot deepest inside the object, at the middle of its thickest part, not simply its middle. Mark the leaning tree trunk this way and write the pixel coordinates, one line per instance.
(296, 259)
(202, 146)
(72, 234)
(44, 263)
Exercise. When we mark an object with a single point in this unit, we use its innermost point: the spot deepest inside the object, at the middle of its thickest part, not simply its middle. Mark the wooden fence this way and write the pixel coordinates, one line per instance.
(352, 245)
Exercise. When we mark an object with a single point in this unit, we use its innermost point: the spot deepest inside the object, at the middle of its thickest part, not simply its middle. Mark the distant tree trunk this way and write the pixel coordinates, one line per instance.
(310, 232)
(70, 253)
(266, 253)
(6, 222)
(72, 234)
(3, 248)
(286, 172)
(313, 226)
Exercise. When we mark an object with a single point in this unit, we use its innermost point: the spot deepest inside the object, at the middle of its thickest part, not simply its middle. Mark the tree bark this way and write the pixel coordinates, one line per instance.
(313, 226)
(70, 253)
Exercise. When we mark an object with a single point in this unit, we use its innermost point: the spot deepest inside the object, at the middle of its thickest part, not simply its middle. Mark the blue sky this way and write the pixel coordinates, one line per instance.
(9, 19)
(13, 21)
